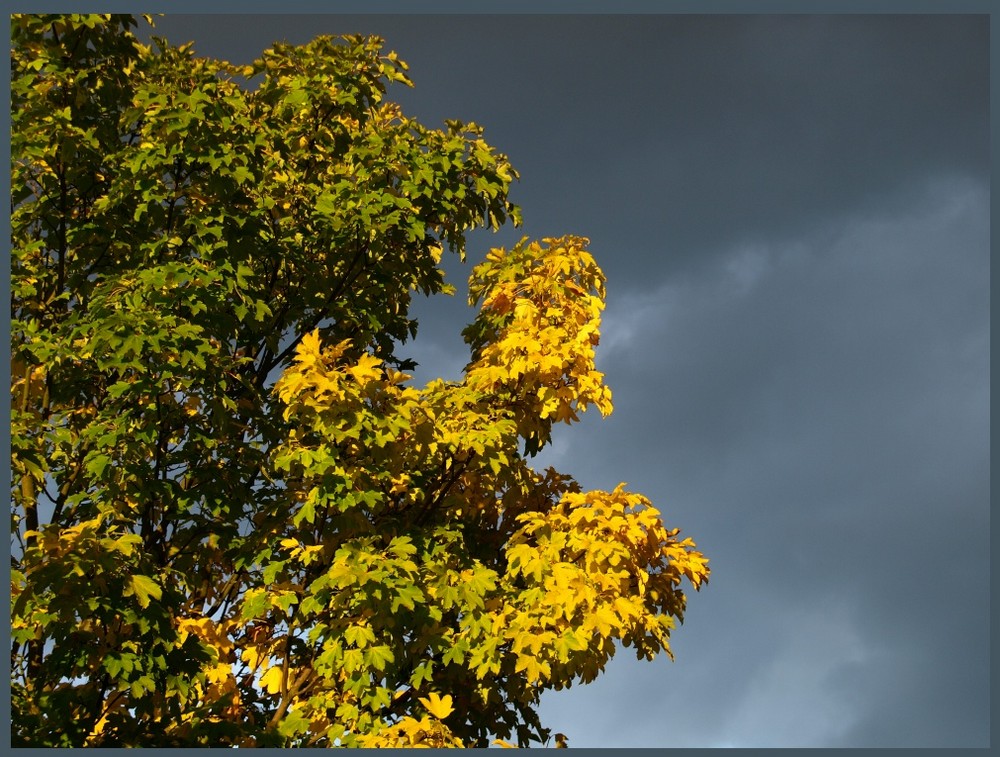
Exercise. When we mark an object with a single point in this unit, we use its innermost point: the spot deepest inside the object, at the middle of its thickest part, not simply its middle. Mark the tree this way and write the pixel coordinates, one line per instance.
(234, 520)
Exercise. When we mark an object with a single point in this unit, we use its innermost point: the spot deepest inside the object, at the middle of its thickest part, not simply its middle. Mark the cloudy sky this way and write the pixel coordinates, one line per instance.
(793, 215)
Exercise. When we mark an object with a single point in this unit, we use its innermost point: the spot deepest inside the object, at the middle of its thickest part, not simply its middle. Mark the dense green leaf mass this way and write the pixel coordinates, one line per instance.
(234, 520)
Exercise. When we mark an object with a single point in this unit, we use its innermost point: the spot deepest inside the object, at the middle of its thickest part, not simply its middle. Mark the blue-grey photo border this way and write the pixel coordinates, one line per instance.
(527, 8)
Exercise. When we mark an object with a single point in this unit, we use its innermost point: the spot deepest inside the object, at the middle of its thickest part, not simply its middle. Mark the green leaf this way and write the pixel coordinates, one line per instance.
(422, 672)
(97, 464)
(359, 636)
(408, 597)
(271, 570)
(292, 724)
(285, 600)
(113, 665)
(456, 653)
(143, 587)
(306, 513)
(142, 685)
(326, 204)
(378, 657)
(255, 604)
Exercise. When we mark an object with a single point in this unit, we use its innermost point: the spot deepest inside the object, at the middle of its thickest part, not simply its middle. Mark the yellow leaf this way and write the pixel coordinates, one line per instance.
(367, 369)
(191, 406)
(218, 673)
(143, 587)
(533, 669)
(310, 344)
(97, 730)
(251, 656)
(401, 484)
(271, 680)
(603, 620)
(439, 707)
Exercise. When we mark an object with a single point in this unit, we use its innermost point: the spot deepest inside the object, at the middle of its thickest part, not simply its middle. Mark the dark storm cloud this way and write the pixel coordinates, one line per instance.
(793, 216)
(816, 416)
(674, 136)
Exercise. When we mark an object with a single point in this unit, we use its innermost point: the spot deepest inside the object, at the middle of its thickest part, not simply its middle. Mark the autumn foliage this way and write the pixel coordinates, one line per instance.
(235, 519)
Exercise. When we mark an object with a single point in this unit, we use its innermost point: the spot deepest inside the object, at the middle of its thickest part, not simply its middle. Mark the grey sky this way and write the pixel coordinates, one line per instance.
(793, 214)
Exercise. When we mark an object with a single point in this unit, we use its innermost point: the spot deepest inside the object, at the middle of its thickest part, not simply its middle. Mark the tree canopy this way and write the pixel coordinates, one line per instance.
(234, 519)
